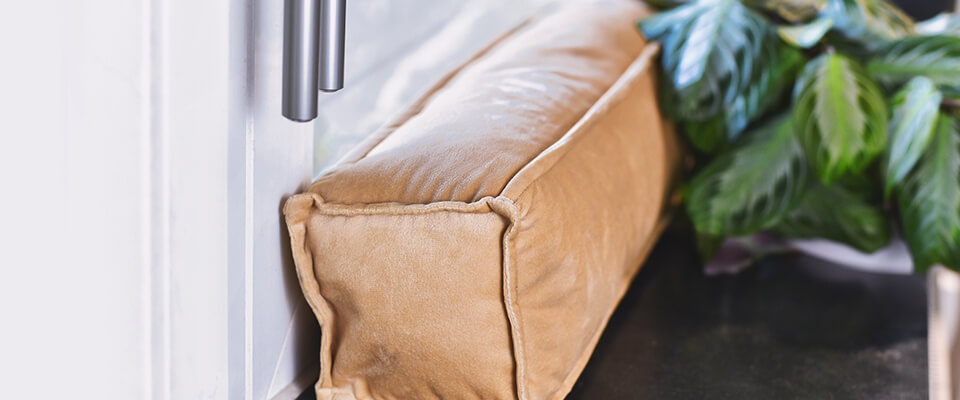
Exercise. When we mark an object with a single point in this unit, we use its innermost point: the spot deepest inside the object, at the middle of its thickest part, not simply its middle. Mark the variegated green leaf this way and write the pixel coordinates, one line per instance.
(868, 22)
(790, 10)
(807, 35)
(840, 116)
(710, 50)
(751, 187)
(935, 57)
(707, 136)
(767, 86)
(766, 90)
(942, 24)
(930, 200)
(832, 212)
(868, 185)
(915, 111)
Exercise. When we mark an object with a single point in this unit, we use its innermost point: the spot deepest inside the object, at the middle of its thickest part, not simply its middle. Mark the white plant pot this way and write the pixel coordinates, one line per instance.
(895, 258)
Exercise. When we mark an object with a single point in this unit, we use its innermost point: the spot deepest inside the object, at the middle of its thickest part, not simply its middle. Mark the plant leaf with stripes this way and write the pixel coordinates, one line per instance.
(751, 187)
(832, 212)
(766, 87)
(942, 24)
(707, 136)
(868, 22)
(840, 116)
(935, 57)
(710, 50)
(807, 35)
(765, 90)
(915, 111)
(790, 10)
(930, 200)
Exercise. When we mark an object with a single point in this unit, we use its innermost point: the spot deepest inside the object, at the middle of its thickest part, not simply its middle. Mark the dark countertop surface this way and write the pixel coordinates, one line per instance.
(791, 327)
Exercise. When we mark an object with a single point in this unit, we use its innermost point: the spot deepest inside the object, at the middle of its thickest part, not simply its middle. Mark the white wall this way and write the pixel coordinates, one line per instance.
(143, 166)
(74, 292)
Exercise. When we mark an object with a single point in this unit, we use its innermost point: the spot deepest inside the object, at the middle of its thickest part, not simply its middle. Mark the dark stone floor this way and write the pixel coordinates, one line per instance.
(793, 327)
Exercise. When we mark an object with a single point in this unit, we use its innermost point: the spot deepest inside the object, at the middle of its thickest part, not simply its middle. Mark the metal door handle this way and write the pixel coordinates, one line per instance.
(313, 42)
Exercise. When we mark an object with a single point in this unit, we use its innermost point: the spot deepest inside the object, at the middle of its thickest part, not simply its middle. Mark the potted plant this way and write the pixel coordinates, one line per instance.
(832, 119)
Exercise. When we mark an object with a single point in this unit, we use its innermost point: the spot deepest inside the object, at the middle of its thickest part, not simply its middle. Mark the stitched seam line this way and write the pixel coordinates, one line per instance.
(500, 206)
(605, 103)
(508, 209)
(311, 288)
(347, 210)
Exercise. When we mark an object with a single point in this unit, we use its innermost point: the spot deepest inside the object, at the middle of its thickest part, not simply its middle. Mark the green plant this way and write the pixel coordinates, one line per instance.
(816, 118)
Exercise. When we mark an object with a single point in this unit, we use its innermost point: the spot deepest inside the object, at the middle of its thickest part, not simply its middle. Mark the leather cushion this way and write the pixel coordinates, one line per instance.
(476, 246)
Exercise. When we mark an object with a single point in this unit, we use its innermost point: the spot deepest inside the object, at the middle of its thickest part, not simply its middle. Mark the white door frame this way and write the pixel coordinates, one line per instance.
(228, 318)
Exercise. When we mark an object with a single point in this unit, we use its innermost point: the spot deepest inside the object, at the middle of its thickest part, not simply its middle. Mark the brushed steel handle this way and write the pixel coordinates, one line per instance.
(313, 45)
(333, 15)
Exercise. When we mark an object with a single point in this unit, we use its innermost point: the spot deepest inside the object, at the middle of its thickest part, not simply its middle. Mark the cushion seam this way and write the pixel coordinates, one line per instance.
(503, 207)
(615, 94)
(611, 98)
(365, 209)
(310, 285)
(509, 210)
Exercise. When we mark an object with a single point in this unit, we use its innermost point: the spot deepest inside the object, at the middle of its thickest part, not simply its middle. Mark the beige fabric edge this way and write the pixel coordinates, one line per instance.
(367, 145)
(553, 154)
(299, 207)
(296, 210)
(581, 363)
(506, 208)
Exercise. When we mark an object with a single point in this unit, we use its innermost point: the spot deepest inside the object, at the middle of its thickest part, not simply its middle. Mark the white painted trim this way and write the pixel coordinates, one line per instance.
(239, 187)
(146, 201)
(248, 254)
(193, 85)
(305, 380)
(285, 348)
(268, 158)
(155, 222)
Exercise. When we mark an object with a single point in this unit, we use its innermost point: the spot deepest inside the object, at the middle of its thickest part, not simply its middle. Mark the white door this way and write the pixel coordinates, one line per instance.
(143, 168)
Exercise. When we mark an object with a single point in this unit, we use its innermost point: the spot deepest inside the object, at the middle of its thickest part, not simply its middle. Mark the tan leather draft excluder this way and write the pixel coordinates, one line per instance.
(476, 246)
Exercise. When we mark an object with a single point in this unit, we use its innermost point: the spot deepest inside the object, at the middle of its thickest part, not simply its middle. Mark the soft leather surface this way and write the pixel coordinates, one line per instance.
(512, 102)
(476, 246)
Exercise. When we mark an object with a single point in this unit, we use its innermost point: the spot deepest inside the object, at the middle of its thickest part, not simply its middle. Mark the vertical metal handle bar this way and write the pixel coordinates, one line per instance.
(332, 33)
(301, 50)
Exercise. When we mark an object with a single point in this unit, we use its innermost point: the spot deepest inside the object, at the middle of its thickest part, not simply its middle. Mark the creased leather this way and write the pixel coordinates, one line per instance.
(476, 246)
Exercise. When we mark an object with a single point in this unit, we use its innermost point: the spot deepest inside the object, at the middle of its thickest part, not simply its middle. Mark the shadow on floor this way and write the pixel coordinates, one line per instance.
(793, 327)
